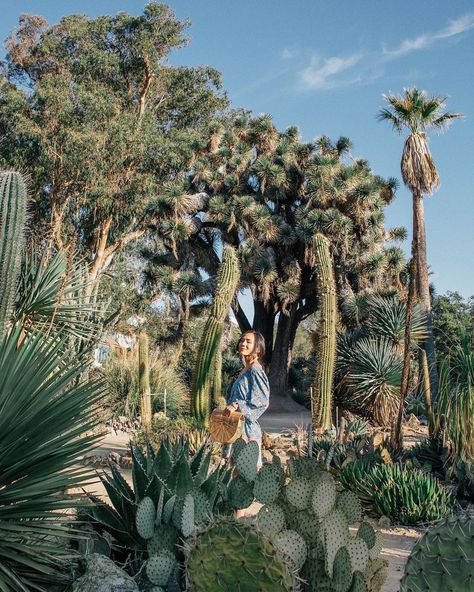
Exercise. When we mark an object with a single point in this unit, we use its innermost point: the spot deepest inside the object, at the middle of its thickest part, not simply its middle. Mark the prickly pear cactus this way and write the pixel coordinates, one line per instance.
(145, 518)
(160, 567)
(443, 559)
(309, 524)
(230, 555)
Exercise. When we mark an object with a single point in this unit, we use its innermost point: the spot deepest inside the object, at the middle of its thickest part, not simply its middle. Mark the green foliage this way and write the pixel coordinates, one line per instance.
(325, 337)
(443, 559)
(173, 494)
(405, 495)
(204, 373)
(453, 318)
(369, 356)
(121, 375)
(91, 107)
(47, 408)
(231, 553)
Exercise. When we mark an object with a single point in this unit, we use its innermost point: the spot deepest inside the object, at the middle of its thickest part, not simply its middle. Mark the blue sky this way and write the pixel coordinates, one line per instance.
(324, 67)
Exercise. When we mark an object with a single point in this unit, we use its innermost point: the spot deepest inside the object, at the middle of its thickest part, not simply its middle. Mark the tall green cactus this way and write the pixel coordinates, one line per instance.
(13, 199)
(144, 379)
(217, 383)
(204, 372)
(325, 337)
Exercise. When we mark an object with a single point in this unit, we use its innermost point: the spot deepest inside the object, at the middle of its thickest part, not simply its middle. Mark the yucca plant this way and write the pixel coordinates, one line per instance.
(373, 380)
(46, 407)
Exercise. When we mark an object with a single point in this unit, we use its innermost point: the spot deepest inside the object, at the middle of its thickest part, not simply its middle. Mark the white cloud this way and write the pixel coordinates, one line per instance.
(455, 27)
(289, 54)
(321, 73)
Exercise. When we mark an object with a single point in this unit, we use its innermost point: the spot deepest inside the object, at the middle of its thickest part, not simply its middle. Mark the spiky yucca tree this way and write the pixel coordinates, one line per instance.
(416, 112)
(325, 337)
(204, 373)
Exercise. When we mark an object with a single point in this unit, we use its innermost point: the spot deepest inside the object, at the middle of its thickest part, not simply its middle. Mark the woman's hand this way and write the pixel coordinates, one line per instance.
(229, 409)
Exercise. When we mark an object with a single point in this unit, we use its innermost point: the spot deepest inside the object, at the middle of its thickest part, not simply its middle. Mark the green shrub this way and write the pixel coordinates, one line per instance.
(404, 495)
(121, 374)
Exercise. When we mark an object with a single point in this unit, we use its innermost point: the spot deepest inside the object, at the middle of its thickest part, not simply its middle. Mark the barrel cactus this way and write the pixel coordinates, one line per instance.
(231, 555)
(206, 366)
(443, 559)
(325, 337)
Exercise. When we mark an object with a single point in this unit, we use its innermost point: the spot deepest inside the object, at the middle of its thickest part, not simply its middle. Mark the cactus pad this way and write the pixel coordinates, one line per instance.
(298, 492)
(271, 519)
(375, 551)
(160, 567)
(342, 571)
(246, 461)
(145, 518)
(291, 547)
(324, 496)
(165, 537)
(240, 493)
(376, 574)
(350, 505)
(335, 533)
(367, 533)
(443, 559)
(358, 583)
(267, 485)
(308, 526)
(202, 509)
(358, 552)
(232, 556)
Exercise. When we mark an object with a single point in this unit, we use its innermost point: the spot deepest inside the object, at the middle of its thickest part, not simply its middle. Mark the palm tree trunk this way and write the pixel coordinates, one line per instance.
(423, 286)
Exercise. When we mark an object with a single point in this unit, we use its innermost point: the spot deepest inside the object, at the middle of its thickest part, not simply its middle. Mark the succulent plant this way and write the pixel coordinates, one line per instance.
(309, 524)
(206, 366)
(443, 559)
(404, 495)
(325, 338)
(231, 555)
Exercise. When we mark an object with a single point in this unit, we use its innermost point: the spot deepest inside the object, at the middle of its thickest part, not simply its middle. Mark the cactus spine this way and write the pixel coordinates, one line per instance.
(13, 198)
(325, 337)
(144, 379)
(227, 279)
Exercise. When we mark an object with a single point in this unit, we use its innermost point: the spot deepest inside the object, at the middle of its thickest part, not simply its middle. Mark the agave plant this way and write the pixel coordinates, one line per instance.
(403, 494)
(46, 408)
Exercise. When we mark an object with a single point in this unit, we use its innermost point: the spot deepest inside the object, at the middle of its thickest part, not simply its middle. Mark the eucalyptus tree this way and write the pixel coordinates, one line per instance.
(267, 194)
(416, 112)
(99, 120)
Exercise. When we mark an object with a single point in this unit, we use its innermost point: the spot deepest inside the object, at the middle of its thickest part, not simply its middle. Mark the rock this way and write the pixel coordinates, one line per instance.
(102, 575)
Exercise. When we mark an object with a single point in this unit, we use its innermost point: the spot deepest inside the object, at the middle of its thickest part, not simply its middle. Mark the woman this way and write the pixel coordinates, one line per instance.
(250, 392)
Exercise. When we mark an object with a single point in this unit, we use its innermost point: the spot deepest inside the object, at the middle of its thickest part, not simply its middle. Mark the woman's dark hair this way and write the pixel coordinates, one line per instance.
(259, 346)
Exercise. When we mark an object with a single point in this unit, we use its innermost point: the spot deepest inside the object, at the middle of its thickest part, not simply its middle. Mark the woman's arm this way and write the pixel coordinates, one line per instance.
(253, 394)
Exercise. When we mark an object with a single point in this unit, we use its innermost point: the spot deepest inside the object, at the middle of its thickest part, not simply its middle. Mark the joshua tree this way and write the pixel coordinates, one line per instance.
(268, 194)
(417, 112)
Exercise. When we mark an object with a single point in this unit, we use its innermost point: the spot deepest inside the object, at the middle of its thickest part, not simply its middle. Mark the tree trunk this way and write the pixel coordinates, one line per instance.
(280, 363)
(423, 287)
(264, 321)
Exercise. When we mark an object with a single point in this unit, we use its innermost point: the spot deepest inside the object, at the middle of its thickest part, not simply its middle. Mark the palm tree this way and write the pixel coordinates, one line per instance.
(417, 112)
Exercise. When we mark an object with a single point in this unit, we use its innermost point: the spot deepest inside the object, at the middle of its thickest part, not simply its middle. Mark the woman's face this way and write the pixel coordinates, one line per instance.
(247, 344)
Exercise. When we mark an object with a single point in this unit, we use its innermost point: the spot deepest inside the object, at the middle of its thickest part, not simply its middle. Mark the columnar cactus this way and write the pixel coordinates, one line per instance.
(144, 379)
(13, 199)
(443, 559)
(325, 337)
(227, 279)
